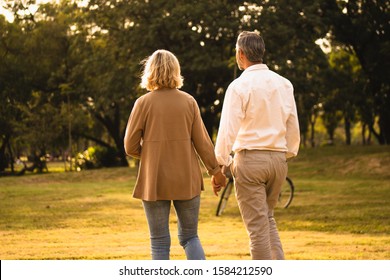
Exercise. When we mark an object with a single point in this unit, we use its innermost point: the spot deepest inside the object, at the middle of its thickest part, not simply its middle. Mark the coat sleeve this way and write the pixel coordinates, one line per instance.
(134, 131)
(202, 143)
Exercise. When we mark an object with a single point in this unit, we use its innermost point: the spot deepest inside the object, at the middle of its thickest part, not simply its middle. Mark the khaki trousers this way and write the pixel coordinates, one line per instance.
(258, 177)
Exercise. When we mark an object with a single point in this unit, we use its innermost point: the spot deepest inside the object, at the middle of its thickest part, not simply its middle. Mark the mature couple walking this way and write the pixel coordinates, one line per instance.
(165, 130)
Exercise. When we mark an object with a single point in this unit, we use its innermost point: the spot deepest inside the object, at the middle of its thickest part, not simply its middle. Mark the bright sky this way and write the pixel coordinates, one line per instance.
(9, 16)
(4, 12)
(33, 8)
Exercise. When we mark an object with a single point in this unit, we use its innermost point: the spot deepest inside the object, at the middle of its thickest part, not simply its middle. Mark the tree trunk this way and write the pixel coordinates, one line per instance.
(304, 139)
(3, 156)
(347, 123)
(364, 134)
(312, 130)
(113, 128)
(384, 126)
(331, 137)
(11, 157)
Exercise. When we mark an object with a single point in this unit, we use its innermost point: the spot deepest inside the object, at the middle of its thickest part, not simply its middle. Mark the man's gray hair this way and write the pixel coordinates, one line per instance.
(252, 45)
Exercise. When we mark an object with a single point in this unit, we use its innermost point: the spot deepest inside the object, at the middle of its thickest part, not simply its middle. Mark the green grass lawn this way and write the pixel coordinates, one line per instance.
(340, 211)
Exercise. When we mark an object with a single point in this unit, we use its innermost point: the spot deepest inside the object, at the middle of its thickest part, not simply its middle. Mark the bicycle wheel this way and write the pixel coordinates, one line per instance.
(287, 193)
(224, 198)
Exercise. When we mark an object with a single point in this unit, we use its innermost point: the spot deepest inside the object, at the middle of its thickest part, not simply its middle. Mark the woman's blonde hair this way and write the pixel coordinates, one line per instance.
(161, 70)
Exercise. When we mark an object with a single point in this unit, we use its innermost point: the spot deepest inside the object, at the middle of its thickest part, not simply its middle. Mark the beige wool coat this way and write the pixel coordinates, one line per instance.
(165, 130)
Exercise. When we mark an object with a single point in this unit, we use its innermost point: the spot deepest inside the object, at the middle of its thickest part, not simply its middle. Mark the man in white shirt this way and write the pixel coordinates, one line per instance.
(259, 123)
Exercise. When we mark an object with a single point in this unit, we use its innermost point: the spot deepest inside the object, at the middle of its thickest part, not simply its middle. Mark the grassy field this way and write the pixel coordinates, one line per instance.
(340, 211)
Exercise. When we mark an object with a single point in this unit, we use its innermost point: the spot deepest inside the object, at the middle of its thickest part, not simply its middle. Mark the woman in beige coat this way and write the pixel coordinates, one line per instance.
(165, 130)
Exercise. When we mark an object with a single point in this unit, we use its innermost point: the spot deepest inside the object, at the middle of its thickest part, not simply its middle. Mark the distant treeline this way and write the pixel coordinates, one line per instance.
(70, 72)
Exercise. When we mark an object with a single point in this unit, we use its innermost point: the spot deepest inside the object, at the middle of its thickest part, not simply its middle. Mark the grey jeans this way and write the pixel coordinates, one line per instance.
(187, 212)
(258, 177)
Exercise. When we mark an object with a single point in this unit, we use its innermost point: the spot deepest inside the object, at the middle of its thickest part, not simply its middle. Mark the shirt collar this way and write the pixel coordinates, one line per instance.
(254, 67)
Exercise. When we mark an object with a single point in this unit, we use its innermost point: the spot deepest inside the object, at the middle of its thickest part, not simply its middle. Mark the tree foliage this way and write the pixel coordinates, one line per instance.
(364, 26)
(71, 70)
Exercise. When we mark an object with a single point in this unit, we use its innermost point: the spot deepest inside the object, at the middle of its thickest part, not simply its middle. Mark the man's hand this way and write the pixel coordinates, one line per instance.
(218, 181)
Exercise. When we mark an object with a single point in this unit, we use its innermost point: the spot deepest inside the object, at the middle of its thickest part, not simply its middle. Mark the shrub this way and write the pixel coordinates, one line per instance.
(97, 157)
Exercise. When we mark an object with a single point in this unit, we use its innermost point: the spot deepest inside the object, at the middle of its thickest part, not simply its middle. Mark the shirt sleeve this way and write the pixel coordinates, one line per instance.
(134, 132)
(233, 112)
(292, 133)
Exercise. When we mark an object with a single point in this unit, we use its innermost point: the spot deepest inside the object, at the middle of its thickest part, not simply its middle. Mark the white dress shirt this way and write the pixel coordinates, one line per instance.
(258, 113)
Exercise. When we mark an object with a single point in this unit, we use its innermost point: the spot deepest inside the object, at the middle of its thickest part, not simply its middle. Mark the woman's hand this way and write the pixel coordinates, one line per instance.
(218, 181)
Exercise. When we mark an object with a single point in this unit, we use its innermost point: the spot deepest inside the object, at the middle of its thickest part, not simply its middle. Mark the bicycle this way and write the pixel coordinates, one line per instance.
(285, 197)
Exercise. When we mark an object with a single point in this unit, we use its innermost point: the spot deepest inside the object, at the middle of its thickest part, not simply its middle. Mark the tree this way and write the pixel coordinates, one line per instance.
(117, 36)
(14, 86)
(82, 63)
(35, 67)
(364, 26)
(347, 88)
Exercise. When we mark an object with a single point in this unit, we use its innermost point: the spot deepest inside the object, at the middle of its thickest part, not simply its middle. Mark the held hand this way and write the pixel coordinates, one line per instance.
(216, 187)
(218, 181)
